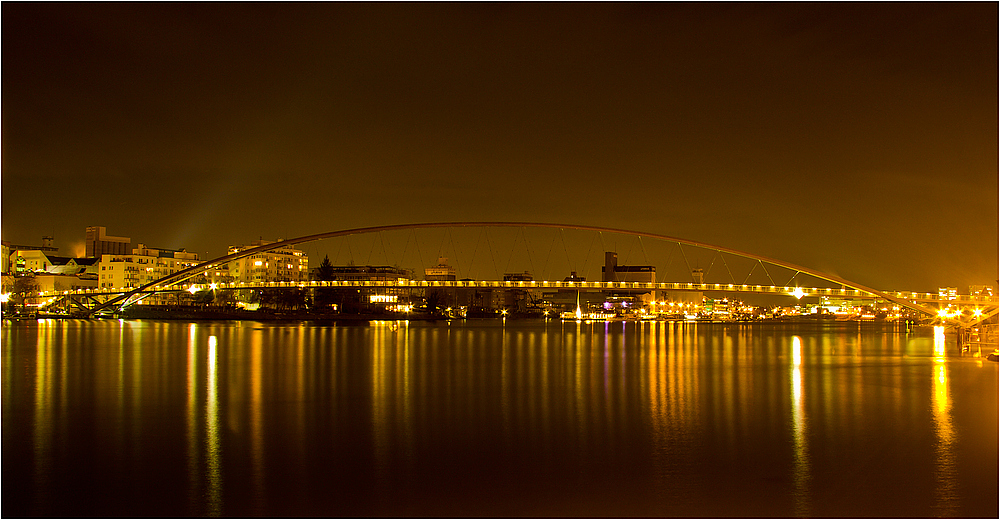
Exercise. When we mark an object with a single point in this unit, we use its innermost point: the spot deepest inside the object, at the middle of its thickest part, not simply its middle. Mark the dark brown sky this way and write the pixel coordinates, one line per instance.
(859, 139)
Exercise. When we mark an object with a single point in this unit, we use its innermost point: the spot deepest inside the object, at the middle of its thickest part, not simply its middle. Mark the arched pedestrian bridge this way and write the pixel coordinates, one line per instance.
(654, 249)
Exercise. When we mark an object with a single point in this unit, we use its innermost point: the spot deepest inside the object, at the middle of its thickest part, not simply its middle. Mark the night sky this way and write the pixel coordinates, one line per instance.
(857, 139)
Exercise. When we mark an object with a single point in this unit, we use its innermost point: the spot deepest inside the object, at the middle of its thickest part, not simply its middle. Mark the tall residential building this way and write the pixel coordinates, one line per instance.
(99, 243)
(286, 264)
(144, 265)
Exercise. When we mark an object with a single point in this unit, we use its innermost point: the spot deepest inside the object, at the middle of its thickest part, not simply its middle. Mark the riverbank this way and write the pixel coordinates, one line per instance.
(157, 313)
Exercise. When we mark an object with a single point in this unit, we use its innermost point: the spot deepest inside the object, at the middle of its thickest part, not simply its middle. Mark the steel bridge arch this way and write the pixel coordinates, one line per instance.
(124, 300)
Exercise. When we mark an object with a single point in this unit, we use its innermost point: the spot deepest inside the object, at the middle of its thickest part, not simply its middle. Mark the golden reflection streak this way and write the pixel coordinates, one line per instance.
(407, 411)
(63, 372)
(257, 419)
(136, 386)
(120, 431)
(43, 412)
(730, 372)
(946, 490)
(212, 437)
(605, 344)
(546, 424)
(301, 388)
(657, 394)
(504, 382)
(192, 414)
(580, 398)
(801, 472)
(380, 427)
(8, 370)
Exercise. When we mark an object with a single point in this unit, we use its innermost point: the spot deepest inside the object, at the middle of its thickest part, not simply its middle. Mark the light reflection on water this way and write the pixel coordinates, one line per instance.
(799, 432)
(946, 492)
(507, 418)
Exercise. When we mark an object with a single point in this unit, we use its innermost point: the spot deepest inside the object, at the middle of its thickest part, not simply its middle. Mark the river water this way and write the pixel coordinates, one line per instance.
(491, 418)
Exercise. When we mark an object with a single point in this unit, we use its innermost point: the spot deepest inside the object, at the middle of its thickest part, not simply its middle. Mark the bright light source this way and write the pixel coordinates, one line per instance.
(5, 297)
(213, 286)
(192, 289)
(977, 312)
(798, 293)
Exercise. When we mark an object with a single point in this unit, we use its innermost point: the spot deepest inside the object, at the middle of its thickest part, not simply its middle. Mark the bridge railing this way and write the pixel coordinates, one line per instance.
(545, 284)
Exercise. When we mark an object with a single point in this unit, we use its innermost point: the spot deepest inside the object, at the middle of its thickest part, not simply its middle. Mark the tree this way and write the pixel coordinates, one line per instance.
(324, 296)
(204, 298)
(433, 301)
(291, 299)
(225, 297)
(325, 270)
(23, 290)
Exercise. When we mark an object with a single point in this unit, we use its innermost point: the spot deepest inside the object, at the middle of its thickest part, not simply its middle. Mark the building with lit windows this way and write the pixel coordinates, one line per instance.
(29, 261)
(947, 293)
(286, 264)
(372, 299)
(144, 265)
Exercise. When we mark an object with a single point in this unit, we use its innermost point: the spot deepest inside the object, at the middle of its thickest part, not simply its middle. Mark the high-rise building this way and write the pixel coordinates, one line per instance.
(99, 243)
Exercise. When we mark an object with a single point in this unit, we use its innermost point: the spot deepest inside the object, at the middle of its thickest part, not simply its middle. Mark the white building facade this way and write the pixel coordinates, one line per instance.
(286, 264)
(144, 265)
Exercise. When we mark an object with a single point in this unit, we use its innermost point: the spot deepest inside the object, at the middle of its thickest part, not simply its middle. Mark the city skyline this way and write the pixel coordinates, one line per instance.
(858, 139)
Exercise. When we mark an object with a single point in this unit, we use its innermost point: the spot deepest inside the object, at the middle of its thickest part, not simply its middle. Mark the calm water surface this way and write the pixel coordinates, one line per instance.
(486, 418)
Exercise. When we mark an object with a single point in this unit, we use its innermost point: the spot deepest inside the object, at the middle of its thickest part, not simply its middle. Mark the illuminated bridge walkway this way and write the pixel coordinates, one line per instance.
(542, 285)
(657, 250)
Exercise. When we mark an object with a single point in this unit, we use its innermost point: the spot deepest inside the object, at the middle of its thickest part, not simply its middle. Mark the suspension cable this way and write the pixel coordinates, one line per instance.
(451, 238)
(688, 264)
(762, 266)
(474, 249)
(490, 245)
(748, 274)
(562, 235)
(709, 269)
(527, 250)
(545, 266)
(731, 277)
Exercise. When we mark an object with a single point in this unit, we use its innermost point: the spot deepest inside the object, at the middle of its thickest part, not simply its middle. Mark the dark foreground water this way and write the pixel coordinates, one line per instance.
(485, 418)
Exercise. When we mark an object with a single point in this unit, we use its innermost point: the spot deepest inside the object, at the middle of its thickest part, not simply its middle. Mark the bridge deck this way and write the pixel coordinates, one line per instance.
(553, 285)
